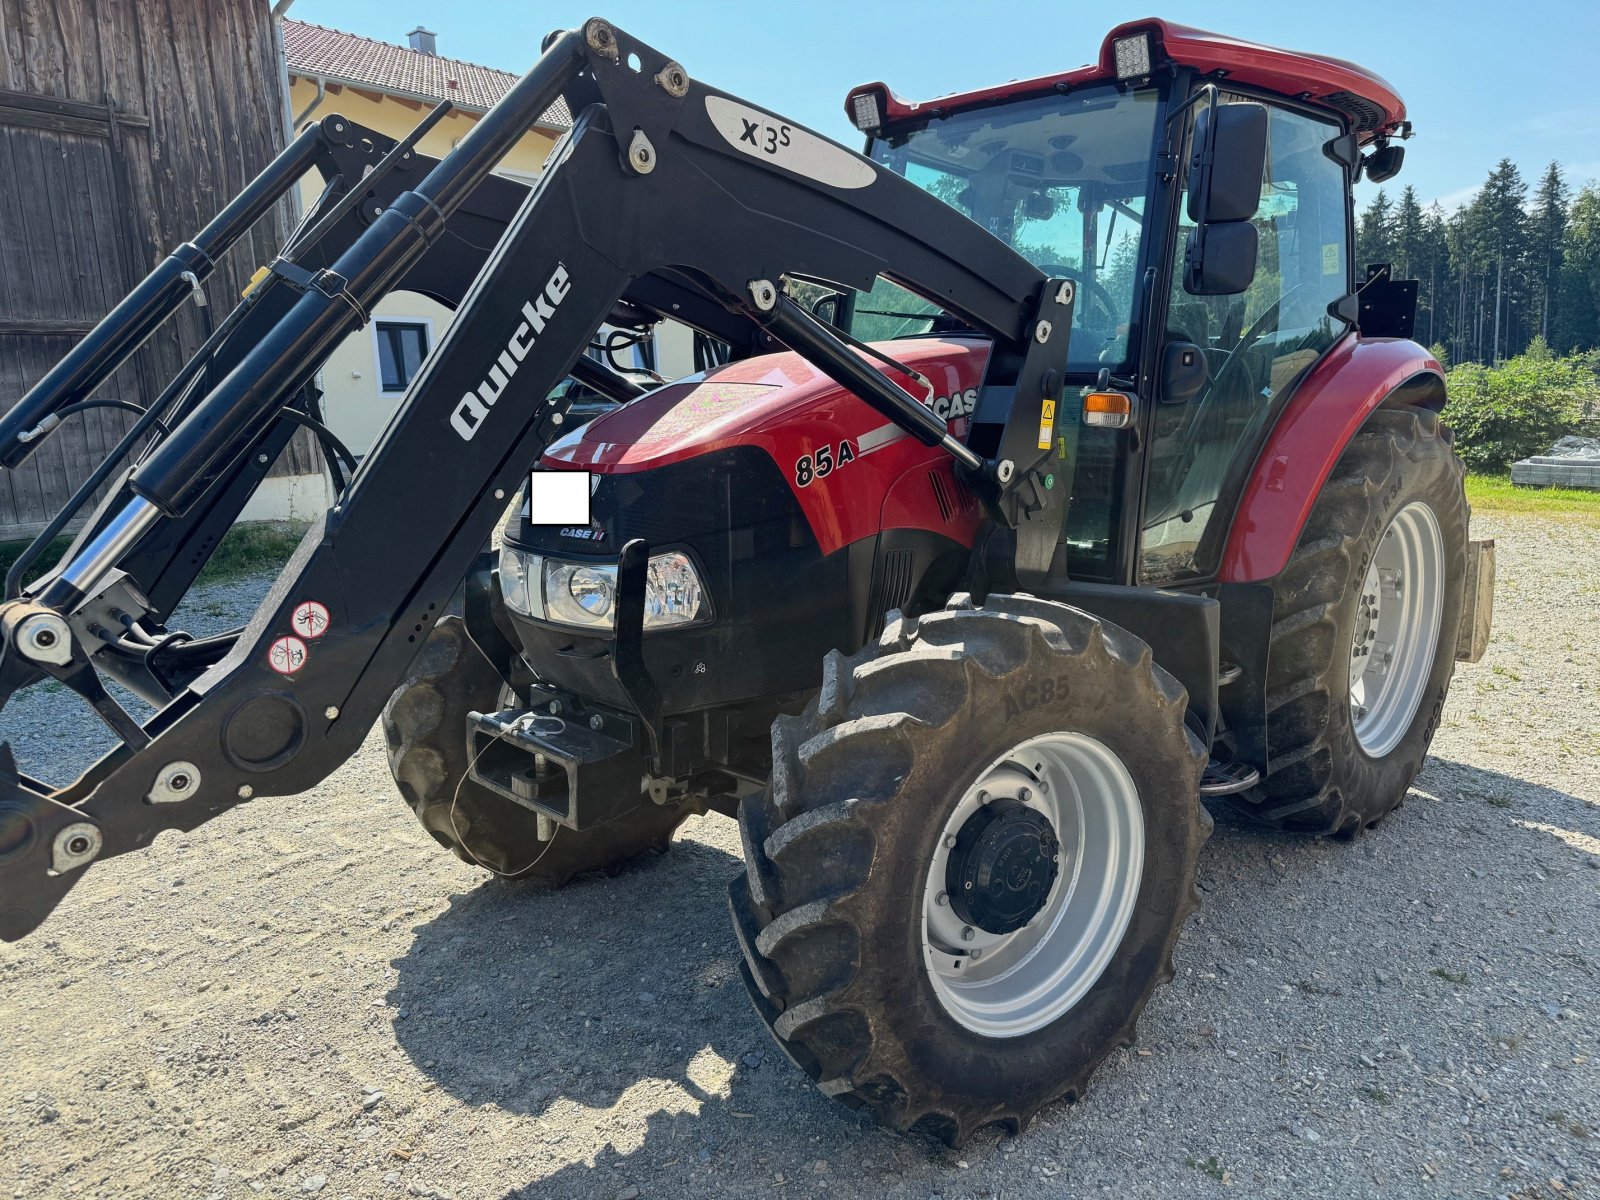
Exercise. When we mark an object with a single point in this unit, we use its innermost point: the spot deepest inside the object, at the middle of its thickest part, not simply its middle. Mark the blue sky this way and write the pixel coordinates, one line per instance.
(1481, 81)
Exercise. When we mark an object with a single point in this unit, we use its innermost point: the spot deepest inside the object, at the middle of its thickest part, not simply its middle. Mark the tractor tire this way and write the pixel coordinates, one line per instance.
(1335, 768)
(425, 727)
(838, 910)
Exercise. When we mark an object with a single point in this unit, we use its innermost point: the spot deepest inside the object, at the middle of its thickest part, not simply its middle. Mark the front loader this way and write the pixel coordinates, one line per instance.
(1050, 471)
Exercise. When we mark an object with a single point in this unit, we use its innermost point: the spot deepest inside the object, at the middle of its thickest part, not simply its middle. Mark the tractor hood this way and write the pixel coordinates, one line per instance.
(778, 402)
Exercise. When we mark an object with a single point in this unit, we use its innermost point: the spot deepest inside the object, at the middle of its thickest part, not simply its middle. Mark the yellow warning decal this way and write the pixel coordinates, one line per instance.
(1047, 424)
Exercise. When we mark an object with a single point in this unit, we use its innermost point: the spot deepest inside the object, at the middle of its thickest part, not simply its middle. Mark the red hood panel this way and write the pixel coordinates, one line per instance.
(852, 471)
(757, 396)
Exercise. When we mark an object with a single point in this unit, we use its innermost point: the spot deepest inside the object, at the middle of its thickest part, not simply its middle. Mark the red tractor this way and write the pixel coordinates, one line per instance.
(1051, 470)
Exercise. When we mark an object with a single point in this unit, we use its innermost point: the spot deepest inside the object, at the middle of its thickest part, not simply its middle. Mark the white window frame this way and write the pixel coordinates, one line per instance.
(377, 346)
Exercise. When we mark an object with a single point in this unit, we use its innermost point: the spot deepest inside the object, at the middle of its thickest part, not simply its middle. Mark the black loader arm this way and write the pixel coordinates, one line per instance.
(666, 194)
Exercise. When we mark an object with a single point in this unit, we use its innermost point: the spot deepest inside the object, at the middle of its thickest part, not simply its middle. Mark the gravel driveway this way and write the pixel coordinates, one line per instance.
(308, 997)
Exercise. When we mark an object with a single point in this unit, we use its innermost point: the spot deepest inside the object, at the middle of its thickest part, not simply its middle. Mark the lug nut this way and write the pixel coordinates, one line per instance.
(942, 899)
(949, 841)
(968, 933)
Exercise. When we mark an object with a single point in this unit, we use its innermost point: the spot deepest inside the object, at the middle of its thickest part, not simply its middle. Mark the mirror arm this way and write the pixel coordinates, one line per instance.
(1203, 162)
(1204, 92)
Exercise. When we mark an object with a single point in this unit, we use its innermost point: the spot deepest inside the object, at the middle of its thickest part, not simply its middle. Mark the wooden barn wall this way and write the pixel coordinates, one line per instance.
(125, 125)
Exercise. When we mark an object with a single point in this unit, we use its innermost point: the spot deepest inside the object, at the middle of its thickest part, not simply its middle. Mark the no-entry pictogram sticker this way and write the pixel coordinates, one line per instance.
(310, 619)
(286, 655)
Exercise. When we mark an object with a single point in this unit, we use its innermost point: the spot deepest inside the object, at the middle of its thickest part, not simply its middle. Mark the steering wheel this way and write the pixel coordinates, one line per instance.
(1096, 293)
(1198, 407)
(1252, 335)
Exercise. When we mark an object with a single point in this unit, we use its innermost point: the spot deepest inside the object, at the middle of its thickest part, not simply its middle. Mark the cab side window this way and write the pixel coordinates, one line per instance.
(1257, 344)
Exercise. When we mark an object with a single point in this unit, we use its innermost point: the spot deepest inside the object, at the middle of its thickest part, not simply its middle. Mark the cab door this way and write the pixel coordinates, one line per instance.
(1256, 345)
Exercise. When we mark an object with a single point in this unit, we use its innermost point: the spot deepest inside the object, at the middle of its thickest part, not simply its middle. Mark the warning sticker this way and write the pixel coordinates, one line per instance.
(1330, 258)
(1047, 424)
(286, 655)
(309, 619)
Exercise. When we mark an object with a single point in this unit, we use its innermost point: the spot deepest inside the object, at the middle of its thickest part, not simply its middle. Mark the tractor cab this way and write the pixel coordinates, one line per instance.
(1197, 189)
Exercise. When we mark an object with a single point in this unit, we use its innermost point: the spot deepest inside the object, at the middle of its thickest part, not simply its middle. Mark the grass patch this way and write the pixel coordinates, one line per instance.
(1377, 1095)
(251, 547)
(244, 549)
(1576, 1128)
(1449, 976)
(1496, 494)
(1315, 989)
(1211, 1167)
(11, 551)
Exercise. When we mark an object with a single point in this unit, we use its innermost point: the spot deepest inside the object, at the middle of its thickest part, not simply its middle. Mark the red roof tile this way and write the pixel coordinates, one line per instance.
(332, 54)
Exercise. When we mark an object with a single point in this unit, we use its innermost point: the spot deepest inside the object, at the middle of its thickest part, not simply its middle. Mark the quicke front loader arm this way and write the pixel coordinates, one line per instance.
(661, 178)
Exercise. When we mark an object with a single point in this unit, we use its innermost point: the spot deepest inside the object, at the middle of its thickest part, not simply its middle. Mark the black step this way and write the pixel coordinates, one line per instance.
(1224, 779)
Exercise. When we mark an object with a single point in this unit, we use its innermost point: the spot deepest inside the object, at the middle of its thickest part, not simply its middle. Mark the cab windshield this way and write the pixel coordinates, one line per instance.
(1063, 180)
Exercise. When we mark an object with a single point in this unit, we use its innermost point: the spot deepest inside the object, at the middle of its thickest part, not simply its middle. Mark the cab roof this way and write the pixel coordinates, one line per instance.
(1370, 102)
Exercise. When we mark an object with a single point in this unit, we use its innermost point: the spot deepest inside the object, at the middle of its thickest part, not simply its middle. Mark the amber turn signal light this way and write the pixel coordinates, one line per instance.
(1108, 410)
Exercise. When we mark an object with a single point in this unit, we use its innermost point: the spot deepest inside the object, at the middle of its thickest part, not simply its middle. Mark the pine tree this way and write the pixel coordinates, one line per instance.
(1495, 241)
(1375, 233)
(1547, 228)
(1434, 277)
(1408, 234)
(1577, 307)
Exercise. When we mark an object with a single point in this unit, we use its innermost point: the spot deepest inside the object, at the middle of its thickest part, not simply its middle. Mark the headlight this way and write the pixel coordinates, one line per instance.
(672, 592)
(585, 594)
(580, 595)
(517, 572)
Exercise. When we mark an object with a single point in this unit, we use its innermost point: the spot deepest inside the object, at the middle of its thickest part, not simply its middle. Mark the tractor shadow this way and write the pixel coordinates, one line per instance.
(518, 995)
(622, 996)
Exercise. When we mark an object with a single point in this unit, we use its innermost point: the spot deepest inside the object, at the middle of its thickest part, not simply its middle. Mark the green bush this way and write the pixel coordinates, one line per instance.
(1517, 409)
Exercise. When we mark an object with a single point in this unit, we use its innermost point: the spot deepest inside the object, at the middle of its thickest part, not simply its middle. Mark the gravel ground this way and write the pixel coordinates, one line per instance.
(307, 997)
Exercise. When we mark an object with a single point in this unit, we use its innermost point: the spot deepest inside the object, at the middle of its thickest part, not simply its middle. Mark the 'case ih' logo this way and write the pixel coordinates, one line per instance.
(536, 314)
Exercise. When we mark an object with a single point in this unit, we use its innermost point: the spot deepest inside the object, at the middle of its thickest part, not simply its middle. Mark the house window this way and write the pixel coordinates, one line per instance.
(402, 345)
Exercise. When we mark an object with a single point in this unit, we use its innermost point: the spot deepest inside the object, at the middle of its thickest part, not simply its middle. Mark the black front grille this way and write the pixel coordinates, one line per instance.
(891, 585)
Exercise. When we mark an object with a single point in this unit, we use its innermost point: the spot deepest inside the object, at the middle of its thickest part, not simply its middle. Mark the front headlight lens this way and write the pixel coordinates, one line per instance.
(672, 592)
(519, 582)
(585, 594)
(594, 591)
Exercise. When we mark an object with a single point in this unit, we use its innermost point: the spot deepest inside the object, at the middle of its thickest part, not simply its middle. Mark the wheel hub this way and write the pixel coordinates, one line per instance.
(1002, 866)
(1396, 630)
(1051, 838)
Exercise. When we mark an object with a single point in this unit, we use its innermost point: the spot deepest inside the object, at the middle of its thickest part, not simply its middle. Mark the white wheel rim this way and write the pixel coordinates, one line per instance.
(1397, 629)
(1010, 984)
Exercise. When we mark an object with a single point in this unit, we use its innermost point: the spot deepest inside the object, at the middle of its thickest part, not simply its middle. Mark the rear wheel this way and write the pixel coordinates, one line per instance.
(1365, 619)
(425, 727)
(972, 863)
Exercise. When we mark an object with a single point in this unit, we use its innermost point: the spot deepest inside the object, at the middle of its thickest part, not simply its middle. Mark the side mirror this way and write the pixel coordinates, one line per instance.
(1228, 162)
(1384, 163)
(1184, 371)
(1224, 262)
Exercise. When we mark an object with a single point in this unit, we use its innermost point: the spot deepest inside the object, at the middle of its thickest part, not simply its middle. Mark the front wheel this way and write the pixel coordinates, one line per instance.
(425, 727)
(1365, 619)
(971, 865)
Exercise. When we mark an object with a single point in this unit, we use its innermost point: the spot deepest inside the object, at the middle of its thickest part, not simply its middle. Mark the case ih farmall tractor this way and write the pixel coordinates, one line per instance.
(1137, 496)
